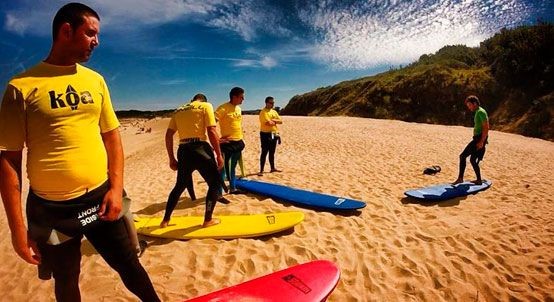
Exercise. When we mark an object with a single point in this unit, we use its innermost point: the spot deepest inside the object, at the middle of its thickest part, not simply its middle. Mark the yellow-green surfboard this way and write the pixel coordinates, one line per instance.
(232, 226)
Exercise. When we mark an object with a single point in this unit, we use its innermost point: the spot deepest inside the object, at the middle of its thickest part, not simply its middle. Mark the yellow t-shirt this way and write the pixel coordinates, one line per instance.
(191, 120)
(59, 112)
(267, 115)
(229, 117)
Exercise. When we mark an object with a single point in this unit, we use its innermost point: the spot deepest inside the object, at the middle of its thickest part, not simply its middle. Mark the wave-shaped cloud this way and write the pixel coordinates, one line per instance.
(345, 34)
(364, 35)
(247, 18)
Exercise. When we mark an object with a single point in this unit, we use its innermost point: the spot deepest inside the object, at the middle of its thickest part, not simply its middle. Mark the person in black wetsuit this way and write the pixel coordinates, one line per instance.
(192, 121)
(62, 111)
(269, 134)
(477, 147)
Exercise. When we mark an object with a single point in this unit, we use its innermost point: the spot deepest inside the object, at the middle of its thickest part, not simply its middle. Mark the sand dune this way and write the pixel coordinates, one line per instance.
(497, 245)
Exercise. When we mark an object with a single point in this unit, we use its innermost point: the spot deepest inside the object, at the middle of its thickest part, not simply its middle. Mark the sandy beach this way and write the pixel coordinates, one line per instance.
(497, 245)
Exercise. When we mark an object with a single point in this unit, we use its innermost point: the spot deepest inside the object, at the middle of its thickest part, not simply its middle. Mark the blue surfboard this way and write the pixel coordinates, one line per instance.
(298, 196)
(447, 191)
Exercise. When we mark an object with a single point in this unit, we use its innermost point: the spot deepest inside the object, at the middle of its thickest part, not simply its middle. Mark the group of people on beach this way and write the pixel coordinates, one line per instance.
(62, 111)
(195, 122)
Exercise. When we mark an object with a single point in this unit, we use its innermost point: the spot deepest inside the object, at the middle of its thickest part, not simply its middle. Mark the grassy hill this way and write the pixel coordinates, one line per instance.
(512, 73)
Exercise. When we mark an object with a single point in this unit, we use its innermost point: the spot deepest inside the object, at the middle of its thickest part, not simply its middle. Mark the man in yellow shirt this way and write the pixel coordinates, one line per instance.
(229, 116)
(269, 134)
(192, 121)
(62, 111)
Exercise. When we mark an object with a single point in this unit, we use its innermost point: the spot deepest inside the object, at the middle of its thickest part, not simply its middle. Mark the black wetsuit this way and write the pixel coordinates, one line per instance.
(268, 142)
(190, 157)
(475, 156)
(75, 218)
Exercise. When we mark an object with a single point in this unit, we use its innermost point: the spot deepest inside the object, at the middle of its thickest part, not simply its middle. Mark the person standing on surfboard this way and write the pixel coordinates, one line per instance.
(476, 148)
(193, 121)
(269, 134)
(62, 111)
(229, 117)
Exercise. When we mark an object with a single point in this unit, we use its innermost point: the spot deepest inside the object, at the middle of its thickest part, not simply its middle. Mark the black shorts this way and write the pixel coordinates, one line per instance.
(232, 147)
(75, 218)
(471, 149)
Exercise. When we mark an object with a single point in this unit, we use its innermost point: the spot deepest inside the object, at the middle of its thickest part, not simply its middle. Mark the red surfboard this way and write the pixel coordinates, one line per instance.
(312, 281)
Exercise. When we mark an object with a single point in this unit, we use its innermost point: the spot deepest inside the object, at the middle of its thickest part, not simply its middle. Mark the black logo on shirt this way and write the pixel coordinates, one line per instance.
(70, 98)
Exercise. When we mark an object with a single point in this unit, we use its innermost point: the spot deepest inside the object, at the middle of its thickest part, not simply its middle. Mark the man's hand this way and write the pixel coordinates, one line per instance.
(173, 164)
(219, 162)
(480, 145)
(23, 245)
(111, 206)
(10, 189)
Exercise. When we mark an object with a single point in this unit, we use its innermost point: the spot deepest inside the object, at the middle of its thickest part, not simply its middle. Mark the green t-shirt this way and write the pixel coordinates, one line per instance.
(481, 117)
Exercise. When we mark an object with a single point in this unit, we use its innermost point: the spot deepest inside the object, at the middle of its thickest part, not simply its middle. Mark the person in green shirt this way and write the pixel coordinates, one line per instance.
(476, 148)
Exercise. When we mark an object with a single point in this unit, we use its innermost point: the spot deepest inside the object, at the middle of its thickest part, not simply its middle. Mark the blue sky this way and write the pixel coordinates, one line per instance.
(156, 54)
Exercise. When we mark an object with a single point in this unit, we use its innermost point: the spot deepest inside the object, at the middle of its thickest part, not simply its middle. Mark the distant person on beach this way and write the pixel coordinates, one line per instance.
(229, 116)
(476, 148)
(192, 121)
(63, 113)
(269, 134)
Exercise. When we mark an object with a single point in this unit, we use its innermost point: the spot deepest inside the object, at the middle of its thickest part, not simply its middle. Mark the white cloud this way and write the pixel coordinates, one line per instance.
(264, 62)
(374, 33)
(15, 24)
(137, 13)
(173, 82)
(268, 62)
(248, 18)
(245, 63)
(341, 34)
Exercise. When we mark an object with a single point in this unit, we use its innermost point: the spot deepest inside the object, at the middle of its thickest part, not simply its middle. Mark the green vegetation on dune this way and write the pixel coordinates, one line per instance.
(143, 114)
(512, 73)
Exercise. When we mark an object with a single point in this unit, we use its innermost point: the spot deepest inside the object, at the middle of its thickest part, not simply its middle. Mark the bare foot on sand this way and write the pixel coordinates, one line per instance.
(210, 223)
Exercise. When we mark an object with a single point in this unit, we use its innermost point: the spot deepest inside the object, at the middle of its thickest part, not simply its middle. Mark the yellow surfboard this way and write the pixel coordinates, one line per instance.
(235, 226)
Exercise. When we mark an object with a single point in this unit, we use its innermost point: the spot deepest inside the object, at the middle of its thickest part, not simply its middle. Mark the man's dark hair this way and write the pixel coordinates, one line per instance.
(473, 99)
(236, 91)
(199, 97)
(73, 14)
(268, 99)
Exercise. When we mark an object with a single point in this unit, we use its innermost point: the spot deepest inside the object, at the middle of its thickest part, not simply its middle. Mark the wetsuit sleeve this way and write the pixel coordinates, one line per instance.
(12, 120)
(108, 119)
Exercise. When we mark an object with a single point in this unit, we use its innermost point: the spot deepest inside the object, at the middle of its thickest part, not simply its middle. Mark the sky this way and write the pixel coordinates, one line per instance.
(156, 54)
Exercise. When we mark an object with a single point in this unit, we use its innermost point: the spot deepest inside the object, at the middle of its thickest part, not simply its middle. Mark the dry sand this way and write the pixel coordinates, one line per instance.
(497, 245)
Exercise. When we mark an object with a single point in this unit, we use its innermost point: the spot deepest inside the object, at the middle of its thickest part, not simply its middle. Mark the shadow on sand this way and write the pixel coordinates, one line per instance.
(429, 203)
